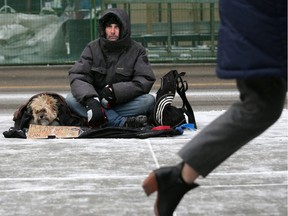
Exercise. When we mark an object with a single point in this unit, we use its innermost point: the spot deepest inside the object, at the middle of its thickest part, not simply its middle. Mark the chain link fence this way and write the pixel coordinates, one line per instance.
(56, 31)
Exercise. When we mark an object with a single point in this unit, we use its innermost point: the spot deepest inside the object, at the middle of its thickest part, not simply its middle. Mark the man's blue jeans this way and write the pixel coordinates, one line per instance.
(116, 116)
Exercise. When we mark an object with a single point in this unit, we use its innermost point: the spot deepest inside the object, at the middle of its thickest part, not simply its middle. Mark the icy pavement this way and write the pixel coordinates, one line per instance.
(103, 176)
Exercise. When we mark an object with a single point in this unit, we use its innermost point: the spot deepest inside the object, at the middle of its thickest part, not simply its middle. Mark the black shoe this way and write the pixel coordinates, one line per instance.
(136, 122)
(170, 186)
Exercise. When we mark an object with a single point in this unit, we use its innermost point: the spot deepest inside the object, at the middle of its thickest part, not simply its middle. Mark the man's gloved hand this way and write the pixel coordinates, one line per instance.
(107, 96)
(95, 112)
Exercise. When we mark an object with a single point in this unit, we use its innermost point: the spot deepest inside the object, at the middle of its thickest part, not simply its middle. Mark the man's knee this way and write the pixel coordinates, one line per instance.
(75, 106)
(272, 115)
(70, 99)
(148, 101)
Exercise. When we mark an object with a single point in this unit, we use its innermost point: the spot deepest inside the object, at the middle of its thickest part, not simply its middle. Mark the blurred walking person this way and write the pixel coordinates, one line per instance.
(252, 49)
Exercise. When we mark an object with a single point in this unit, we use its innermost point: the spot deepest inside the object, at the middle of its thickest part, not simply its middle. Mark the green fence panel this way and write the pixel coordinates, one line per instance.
(56, 31)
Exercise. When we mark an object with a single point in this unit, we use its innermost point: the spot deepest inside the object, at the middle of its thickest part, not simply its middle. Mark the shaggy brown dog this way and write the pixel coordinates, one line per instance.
(44, 110)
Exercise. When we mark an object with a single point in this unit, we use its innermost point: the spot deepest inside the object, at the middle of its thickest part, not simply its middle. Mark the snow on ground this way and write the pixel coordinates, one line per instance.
(102, 177)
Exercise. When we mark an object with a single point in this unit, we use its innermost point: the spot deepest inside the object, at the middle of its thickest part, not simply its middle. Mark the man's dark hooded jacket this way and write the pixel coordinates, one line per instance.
(122, 64)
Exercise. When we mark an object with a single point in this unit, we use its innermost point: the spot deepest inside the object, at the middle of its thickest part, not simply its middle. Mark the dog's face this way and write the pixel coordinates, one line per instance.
(44, 110)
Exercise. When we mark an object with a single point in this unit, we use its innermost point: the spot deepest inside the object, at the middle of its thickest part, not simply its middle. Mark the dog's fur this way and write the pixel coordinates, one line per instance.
(44, 109)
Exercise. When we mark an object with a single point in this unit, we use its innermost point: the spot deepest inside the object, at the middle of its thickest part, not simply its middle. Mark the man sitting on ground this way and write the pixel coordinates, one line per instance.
(110, 84)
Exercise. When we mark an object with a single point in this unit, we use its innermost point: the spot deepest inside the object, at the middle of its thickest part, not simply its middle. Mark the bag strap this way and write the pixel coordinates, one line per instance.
(181, 88)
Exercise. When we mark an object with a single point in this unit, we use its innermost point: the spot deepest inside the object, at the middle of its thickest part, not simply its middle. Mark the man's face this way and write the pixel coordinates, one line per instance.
(112, 32)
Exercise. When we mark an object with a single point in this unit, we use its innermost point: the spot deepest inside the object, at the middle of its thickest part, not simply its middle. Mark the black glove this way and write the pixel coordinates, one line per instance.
(95, 112)
(107, 96)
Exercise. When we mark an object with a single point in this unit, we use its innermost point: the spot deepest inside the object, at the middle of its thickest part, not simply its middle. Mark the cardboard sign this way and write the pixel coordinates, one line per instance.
(50, 132)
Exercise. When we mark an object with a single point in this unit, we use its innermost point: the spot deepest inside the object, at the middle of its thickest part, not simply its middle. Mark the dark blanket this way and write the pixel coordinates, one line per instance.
(110, 132)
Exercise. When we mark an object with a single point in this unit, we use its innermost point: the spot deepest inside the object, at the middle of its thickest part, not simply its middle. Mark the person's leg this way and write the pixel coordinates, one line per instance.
(141, 105)
(116, 116)
(262, 101)
(113, 118)
(75, 106)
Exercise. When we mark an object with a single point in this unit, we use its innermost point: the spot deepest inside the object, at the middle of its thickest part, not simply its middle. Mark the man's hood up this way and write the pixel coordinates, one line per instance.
(123, 18)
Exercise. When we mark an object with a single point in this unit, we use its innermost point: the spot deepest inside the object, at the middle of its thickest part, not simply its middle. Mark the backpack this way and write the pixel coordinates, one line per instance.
(164, 112)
